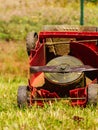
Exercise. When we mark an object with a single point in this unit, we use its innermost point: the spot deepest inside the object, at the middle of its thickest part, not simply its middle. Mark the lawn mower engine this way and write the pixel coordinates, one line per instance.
(63, 66)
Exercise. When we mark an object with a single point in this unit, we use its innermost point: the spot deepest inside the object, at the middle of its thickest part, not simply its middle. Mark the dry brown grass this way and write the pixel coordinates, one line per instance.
(13, 59)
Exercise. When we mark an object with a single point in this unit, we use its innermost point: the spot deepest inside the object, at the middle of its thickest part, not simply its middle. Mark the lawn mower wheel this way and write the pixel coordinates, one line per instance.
(22, 96)
(93, 94)
(31, 39)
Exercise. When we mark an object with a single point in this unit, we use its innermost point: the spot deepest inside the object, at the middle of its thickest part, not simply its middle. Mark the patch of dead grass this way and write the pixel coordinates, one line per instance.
(10, 63)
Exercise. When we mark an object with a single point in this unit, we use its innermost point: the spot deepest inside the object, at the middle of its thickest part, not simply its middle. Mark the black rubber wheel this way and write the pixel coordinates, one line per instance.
(93, 94)
(31, 39)
(22, 96)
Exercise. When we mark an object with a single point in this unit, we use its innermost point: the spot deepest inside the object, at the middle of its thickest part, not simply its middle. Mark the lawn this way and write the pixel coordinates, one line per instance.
(56, 116)
(17, 18)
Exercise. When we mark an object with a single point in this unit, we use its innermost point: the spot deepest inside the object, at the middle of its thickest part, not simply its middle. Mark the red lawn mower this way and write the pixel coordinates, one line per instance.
(63, 66)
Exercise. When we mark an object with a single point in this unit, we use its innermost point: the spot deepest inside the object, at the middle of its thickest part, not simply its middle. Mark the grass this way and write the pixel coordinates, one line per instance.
(13, 59)
(17, 18)
(56, 116)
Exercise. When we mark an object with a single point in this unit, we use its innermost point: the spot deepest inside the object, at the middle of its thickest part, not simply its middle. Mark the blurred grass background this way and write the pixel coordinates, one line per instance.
(17, 18)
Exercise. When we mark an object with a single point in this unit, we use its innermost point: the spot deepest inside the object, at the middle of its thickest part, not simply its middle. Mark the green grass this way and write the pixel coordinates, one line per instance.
(17, 18)
(17, 28)
(56, 116)
(21, 17)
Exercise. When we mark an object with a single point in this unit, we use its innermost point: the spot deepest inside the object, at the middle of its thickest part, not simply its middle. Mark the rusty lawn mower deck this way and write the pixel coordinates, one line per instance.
(63, 66)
